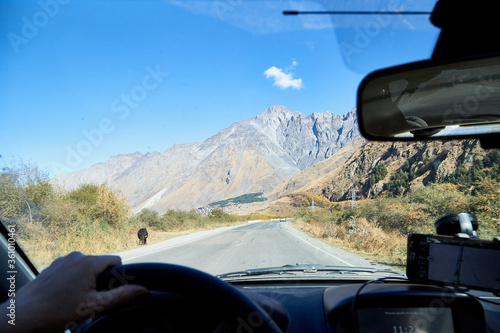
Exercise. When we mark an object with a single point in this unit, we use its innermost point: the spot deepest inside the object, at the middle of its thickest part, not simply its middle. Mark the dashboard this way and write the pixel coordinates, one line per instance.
(402, 308)
(392, 307)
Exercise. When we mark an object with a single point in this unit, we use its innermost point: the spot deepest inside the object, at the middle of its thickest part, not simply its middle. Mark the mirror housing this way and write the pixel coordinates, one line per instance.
(461, 223)
(433, 100)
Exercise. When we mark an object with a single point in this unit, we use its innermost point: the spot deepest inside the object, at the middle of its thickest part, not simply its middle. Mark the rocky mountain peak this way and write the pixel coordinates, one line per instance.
(275, 110)
(277, 115)
(307, 139)
(253, 155)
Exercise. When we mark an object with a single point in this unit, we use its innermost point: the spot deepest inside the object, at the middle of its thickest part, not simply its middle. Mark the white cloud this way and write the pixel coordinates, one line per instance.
(283, 79)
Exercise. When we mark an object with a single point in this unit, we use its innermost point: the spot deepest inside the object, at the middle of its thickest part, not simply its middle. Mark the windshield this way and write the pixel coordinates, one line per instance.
(220, 135)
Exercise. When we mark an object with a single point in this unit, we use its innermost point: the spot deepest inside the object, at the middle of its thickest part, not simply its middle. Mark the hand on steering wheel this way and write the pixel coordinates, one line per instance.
(190, 283)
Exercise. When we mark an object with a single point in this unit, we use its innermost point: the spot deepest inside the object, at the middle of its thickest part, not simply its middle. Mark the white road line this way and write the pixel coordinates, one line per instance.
(160, 250)
(321, 250)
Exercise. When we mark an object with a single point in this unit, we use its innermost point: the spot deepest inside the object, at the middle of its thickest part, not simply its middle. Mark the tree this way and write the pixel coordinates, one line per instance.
(11, 195)
(492, 159)
(378, 173)
(488, 168)
(24, 190)
(398, 183)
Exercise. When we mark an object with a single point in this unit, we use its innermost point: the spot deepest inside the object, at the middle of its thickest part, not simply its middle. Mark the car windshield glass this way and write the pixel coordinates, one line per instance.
(220, 135)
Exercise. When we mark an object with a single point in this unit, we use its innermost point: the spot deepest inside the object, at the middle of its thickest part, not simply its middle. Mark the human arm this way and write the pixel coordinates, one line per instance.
(64, 295)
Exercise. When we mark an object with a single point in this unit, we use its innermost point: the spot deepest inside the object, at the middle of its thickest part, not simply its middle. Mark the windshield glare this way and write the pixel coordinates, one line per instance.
(220, 135)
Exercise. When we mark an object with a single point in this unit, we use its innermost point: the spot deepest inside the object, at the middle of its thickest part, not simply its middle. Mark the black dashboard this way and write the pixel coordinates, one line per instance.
(402, 308)
(295, 306)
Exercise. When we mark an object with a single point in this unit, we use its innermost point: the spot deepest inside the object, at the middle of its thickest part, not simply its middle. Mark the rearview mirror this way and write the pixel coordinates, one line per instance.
(459, 99)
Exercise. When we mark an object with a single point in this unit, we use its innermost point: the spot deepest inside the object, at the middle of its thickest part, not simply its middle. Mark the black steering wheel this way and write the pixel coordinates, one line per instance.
(186, 282)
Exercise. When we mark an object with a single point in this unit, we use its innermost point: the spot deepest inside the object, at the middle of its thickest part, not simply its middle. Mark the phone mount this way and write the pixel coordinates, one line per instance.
(462, 225)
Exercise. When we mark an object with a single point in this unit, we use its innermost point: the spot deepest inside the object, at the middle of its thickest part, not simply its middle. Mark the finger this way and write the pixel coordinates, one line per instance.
(100, 263)
(70, 260)
(120, 295)
(73, 256)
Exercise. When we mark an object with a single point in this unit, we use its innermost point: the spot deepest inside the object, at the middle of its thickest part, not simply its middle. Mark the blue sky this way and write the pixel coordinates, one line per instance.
(83, 81)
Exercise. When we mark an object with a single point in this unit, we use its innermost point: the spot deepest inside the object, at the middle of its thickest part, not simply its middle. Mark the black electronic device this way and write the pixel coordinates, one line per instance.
(446, 260)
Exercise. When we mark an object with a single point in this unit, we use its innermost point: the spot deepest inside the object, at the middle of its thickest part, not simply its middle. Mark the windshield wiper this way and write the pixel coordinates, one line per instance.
(308, 269)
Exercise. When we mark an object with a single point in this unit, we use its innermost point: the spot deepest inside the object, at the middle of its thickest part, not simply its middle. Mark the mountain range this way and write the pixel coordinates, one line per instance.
(254, 155)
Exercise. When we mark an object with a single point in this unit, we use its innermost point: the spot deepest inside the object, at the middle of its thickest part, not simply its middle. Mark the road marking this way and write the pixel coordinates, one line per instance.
(148, 253)
(321, 250)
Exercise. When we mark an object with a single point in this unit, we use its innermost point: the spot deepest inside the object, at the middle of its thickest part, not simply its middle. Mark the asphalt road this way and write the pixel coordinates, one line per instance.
(253, 245)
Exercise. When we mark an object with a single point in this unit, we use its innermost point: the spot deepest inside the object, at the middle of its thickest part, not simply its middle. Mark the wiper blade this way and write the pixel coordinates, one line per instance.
(308, 268)
(255, 272)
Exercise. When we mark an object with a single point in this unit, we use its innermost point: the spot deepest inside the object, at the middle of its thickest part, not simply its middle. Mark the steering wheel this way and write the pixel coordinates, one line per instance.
(187, 282)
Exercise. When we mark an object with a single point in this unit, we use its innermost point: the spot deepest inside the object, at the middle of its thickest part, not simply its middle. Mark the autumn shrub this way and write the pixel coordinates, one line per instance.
(219, 215)
(485, 205)
(317, 215)
(299, 199)
(169, 222)
(319, 201)
(179, 220)
(257, 216)
(370, 238)
(438, 200)
(58, 214)
(176, 215)
(371, 209)
(148, 218)
(12, 196)
(402, 217)
(40, 193)
(99, 202)
(390, 214)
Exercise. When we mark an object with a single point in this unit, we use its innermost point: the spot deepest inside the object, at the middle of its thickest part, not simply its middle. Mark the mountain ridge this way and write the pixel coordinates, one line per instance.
(253, 155)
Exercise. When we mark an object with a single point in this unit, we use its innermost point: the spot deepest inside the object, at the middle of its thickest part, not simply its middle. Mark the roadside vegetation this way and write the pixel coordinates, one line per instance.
(94, 219)
(378, 228)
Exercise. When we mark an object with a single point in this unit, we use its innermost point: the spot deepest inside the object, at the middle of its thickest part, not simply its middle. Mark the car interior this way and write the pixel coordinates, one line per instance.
(452, 277)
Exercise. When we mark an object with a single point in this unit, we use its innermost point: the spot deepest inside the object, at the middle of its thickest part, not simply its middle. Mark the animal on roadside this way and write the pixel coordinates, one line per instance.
(143, 236)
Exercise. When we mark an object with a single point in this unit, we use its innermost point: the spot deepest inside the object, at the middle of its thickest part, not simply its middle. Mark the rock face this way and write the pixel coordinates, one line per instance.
(312, 180)
(254, 155)
(423, 162)
(311, 139)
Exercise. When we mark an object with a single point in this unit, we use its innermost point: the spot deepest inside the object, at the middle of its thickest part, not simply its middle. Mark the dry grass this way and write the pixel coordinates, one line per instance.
(361, 237)
(43, 246)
